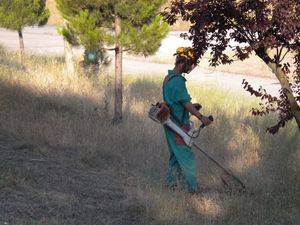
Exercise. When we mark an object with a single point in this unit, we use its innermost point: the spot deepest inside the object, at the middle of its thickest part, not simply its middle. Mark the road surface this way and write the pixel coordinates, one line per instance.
(46, 41)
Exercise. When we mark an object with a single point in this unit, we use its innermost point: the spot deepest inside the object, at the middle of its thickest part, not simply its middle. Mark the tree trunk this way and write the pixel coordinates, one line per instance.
(118, 74)
(21, 41)
(282, 78)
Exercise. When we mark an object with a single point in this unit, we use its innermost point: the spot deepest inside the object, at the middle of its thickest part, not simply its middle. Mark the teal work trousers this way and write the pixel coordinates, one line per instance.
(182, 162)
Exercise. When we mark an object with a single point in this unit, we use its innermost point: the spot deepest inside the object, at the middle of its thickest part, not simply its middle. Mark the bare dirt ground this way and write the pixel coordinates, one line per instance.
(39, 186)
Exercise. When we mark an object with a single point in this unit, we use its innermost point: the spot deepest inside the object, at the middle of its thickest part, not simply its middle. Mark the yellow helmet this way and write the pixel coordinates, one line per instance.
(186, 52)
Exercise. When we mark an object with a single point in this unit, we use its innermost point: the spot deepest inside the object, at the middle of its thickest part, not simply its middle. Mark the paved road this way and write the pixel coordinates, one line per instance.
(46, 41)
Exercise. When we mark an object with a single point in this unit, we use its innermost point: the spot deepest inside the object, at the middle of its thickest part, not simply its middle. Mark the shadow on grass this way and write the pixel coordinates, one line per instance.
(144, 89)
(6, 61)
(59, 165)
(90, 171)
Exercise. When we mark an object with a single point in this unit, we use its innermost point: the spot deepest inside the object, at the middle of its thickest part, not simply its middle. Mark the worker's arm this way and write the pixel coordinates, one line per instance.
(193, 110)
(180, 94)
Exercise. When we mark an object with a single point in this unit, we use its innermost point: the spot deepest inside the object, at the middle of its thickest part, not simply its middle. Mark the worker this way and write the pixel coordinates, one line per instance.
(182, 158)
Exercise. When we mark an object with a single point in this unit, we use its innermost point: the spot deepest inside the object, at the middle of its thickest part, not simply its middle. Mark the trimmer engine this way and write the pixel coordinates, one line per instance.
(160, 113)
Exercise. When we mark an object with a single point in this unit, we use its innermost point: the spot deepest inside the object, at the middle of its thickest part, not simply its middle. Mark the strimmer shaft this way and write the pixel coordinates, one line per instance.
(219, 165)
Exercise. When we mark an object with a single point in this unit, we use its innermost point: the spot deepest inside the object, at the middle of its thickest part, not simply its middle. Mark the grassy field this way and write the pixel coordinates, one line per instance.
(64, 163)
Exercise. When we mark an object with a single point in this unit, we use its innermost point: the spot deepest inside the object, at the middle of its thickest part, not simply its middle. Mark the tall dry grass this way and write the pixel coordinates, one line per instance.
(42, 104)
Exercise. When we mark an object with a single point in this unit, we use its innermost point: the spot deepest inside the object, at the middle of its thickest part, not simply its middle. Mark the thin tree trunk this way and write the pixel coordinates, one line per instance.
(21, 41)
(118, 74)
(282, 78)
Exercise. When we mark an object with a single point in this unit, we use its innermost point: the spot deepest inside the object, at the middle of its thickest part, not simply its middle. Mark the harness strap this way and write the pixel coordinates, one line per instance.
(166, 80)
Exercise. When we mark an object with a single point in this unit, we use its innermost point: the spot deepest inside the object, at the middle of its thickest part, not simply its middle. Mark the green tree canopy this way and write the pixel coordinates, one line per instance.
(134, 26)
(91, 23)
(16, 14)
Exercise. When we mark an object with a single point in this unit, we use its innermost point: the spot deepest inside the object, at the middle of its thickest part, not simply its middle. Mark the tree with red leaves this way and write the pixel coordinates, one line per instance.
(268, 28)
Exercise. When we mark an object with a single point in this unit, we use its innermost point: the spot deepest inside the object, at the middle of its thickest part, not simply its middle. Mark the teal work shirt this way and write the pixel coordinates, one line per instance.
(176, 95)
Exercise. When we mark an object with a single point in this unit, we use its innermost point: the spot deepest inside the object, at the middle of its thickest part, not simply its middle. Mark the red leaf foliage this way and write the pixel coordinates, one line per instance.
(247, 26)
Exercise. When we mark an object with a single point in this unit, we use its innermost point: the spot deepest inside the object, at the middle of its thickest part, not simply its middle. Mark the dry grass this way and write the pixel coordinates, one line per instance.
(66, 120)
(55, 18)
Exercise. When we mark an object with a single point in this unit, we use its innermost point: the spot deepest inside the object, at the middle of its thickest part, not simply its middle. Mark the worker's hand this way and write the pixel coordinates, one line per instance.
(206, 121)
(197, 106)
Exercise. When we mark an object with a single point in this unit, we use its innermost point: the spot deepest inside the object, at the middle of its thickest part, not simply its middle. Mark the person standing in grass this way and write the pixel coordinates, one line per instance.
(175, 94)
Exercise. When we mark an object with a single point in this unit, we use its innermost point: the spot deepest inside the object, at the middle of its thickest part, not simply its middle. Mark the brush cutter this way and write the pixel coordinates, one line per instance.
(160, 113)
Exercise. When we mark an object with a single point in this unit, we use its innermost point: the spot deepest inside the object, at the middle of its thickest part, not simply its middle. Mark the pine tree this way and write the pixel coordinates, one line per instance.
(16, 14)
(134, 26)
